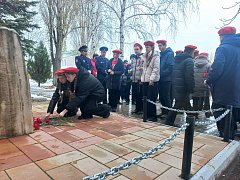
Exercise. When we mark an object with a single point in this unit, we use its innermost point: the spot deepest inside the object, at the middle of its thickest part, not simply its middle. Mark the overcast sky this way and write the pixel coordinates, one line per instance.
(201, 29)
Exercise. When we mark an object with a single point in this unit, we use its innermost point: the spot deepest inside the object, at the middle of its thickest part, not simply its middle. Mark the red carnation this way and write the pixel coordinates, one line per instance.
(47, 121)
(205, 74)
(36, 125)
(39, 120)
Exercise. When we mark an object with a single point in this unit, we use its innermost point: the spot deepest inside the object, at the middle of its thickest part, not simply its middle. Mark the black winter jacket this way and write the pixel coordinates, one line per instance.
(62, 89)
(85, 85)
(114, 81)
(183, 76)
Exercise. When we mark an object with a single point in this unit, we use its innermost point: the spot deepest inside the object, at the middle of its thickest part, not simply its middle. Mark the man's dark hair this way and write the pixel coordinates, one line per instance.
(188, 51)
(95, 55)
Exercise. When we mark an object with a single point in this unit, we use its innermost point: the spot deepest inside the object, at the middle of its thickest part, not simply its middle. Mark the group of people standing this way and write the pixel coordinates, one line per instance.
(173, 78)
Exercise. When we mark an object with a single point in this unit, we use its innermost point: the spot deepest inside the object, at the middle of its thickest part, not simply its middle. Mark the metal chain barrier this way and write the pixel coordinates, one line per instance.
(186, 111)
(213, 121)
(115, 170)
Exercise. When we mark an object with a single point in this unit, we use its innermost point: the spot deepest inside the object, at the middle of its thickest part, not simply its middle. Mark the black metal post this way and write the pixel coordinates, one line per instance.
(228, 125)
(145, 108)
(188, 146)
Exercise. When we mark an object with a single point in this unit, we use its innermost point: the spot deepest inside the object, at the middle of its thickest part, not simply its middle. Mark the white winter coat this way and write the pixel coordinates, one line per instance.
(151, 67)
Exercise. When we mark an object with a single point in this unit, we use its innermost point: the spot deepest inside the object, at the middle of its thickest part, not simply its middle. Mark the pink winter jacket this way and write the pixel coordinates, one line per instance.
(151, 68)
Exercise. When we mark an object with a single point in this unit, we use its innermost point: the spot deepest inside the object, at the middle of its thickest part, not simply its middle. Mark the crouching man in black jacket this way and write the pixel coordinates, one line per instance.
(88, 92)
(60, 96)
(182, 82)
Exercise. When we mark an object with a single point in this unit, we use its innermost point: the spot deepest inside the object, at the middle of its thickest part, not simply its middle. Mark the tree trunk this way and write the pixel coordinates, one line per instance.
(15, 98)
(57, 63)
(122, 23)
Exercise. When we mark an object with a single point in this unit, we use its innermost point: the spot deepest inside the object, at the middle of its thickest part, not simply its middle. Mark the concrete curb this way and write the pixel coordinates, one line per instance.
(219, 163)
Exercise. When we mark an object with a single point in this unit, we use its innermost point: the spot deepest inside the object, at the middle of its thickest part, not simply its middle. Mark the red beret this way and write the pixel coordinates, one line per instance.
(149, 43)
(196, 51)
(204, 54)
(60, 72)
(71, 70)
(227, 30)
(191, 47)
(138, 45)
(179, 51)
(161, 41)
(118, 51)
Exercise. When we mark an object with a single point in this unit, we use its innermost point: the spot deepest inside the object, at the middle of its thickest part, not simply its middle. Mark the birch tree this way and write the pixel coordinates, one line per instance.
(87, 25)
(58, 16)
(143, 17)
(236, 8)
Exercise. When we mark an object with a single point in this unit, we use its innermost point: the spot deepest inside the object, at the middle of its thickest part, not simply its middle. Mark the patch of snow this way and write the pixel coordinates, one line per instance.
(44, 92)
(36, 97)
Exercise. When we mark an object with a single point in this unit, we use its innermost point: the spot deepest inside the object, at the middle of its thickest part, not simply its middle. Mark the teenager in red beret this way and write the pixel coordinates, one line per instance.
(201, 91)
(227, 30)
(196, 53)
(136, 72)
(115, 71)
(178, 52)
(165, 82)
(87, 93)
(204, 54)
(60, 96)
(224, 77)
(182, 82)
(150, 77)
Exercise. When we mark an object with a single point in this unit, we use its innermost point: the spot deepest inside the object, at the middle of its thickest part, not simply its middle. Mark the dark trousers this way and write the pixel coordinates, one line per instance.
(137, 93)
(221, 123)
(179, 104)
(125, 91)
(134, 95)
(91, 106)
(201, 103)
(164, 90)
(70, 113)
(151, 93)
(103, 82)
(113, 97)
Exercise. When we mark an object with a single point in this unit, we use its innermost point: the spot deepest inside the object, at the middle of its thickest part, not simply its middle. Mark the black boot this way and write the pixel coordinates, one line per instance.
(85, 116)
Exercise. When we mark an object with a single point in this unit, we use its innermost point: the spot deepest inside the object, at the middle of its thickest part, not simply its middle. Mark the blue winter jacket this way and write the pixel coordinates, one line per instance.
(102, 67)
(83, 61)
(224, 76)
(166, 64)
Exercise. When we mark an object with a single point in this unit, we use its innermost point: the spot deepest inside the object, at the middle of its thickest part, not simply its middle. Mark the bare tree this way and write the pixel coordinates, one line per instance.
(143, 17)
(235, 7)
(58, 16)
(87, 24)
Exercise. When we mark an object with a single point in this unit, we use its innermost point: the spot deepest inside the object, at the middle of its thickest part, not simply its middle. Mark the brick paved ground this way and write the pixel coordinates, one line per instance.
(89, 147)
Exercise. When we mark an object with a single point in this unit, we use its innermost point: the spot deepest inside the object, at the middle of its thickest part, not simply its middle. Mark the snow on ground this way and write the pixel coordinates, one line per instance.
(42, 93)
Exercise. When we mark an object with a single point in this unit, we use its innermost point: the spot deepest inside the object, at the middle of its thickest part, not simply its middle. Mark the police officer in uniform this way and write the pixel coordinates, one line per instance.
(88, 93)
(83, 60)
(101, 66)
(61, 96)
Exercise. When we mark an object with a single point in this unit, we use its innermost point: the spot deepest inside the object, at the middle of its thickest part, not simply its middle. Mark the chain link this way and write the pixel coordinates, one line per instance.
(185, 111)
(115, 170)
(213, 121)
